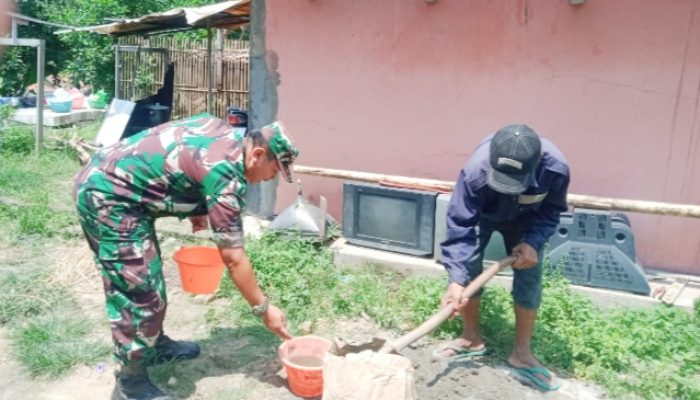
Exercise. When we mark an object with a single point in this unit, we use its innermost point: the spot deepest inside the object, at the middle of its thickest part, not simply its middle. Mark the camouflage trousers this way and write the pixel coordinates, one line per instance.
(128, 257)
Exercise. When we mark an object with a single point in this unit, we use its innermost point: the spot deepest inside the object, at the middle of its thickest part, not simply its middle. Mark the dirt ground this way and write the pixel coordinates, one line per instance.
(231, 367)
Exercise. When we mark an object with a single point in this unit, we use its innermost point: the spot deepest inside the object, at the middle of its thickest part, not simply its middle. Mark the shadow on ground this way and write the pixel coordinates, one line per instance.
(246, 350)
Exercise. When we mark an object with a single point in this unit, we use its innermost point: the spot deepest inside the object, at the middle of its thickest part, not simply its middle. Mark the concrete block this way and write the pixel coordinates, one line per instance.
(347, 255)
(52, 119)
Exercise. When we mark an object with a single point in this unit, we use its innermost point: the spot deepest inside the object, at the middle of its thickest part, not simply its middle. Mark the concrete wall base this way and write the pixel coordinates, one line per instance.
(348, 255)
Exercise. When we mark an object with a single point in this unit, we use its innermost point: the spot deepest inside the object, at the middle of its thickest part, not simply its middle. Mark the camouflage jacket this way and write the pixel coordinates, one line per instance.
(183, 168)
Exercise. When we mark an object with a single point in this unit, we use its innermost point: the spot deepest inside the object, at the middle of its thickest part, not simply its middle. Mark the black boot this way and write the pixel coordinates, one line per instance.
(171, 350)
(133, 384)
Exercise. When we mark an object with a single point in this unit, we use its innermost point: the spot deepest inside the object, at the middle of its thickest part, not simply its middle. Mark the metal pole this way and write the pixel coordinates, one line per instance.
(210, 83)
(40, 53)
(14, 30)
(219, 59)
(117, 70)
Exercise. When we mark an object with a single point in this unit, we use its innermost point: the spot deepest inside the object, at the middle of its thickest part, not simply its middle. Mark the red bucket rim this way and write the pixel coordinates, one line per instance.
(178, 253)
(286, 361)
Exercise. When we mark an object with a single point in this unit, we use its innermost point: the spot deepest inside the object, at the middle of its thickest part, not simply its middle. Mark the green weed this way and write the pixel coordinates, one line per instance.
(295, 273)
(6, 112)
(35, 218)
(17, 140)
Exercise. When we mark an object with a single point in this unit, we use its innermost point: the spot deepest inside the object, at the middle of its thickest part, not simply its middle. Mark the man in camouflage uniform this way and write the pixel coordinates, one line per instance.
(193, 168)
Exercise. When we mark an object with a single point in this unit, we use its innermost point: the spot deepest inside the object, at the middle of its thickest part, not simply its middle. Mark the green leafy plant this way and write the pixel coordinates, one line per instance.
(6, 113)
(86, 56)
(15, 70)
(18, 140)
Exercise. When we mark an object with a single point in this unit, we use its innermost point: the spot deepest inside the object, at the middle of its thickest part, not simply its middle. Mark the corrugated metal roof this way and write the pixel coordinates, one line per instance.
(225, 15)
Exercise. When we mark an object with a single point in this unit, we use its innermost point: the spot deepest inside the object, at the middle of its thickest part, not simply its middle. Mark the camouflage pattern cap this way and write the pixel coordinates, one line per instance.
(281, 146)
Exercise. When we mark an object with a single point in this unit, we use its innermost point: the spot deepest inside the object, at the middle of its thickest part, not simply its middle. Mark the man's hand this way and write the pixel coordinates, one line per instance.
(453, 296)
(199, 223)
(276, 322)
(527, 256)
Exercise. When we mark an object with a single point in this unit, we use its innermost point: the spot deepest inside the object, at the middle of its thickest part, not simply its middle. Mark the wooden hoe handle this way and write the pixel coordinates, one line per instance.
(445, 312)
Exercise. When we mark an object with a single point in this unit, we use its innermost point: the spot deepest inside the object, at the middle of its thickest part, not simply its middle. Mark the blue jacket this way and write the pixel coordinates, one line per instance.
(473, 202)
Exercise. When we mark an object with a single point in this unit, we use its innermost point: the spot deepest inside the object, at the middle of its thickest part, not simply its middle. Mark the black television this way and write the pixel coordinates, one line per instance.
(398, 220)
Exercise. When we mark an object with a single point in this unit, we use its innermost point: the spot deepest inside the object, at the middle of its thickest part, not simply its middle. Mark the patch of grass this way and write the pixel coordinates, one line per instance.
(89, 130)
(648, 354)
(25, 296)
(36, 194)
(17, 140)
(48, 332)
(51, 344)
(25, 175)
(295, 273)
(36, 218)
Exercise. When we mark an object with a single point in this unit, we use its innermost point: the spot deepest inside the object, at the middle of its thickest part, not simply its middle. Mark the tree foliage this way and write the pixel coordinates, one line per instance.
(84, 56)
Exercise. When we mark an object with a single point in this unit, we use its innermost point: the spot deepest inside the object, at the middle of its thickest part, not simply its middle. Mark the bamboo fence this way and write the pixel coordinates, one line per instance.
(142, 63)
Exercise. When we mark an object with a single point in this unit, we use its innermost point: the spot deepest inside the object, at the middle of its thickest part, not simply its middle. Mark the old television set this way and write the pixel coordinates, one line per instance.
(398, 220)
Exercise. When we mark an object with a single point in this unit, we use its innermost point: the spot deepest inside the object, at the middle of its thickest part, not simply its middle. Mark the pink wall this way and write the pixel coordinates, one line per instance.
(407, 88)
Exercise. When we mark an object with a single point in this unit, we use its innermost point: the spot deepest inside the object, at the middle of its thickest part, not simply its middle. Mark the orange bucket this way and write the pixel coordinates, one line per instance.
(303, 361)
(200, 268)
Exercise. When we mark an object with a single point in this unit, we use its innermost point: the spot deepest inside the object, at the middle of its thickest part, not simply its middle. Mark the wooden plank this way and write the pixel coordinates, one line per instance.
(640, 206)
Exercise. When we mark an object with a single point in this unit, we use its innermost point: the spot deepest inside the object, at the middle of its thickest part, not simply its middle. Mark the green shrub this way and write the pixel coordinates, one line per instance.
(19, 140)
(295, 273)
(49, 333)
